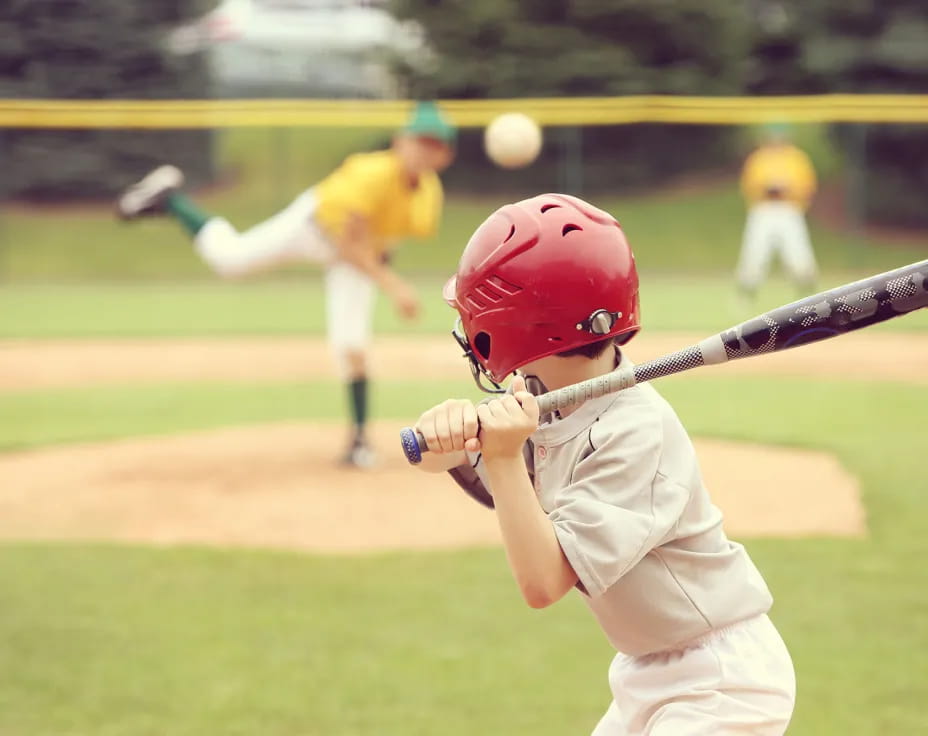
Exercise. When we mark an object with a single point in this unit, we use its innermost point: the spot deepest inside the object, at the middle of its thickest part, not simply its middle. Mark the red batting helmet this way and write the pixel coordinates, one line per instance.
(539, 277)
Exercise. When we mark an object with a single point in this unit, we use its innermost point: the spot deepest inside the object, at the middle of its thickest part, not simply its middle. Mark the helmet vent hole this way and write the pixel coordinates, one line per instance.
(546, 207)
(482, 345)
(512, 231)
(569, 228)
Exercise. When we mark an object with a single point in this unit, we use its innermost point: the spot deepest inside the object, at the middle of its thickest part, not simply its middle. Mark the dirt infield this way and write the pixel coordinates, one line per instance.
(277, 486)
(62, 363)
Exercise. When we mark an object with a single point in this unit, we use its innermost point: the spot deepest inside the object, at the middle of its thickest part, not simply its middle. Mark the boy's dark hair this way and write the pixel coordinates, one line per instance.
(590, 350)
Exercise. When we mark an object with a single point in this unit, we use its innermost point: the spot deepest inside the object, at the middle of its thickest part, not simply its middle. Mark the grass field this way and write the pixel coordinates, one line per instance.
(119, 640)
(688, 229)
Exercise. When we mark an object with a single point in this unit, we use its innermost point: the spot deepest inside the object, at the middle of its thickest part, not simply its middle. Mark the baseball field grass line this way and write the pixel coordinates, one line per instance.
(293, 305)
(106, 412)
(48, 364)
(676, 228)
(721, 407)
(699, 233)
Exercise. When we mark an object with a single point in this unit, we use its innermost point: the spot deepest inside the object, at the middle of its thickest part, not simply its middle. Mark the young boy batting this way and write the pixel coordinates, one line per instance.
(350, 221)
(605, 498)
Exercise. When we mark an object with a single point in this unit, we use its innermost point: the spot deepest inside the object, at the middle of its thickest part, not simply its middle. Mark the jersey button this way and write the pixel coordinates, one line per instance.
(542, 453)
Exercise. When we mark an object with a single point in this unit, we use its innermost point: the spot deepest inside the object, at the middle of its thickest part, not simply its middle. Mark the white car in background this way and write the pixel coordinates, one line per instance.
(310, 48)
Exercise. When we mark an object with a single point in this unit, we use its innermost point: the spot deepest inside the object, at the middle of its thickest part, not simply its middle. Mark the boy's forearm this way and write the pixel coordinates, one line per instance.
(535, 556)
(440, 462)
(363, 256)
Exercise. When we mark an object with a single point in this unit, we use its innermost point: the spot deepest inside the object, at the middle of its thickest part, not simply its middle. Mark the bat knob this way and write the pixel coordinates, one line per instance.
(409, 438)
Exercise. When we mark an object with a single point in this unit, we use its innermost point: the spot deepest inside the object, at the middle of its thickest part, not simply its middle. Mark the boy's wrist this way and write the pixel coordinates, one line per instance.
(506, 463)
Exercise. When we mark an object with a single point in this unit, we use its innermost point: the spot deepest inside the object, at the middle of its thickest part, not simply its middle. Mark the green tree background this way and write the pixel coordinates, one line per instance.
(854, 46)
(539, 48)
(105, 49)
(504, 48)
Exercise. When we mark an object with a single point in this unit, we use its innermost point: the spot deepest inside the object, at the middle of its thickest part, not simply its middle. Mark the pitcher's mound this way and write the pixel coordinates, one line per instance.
(278, 486)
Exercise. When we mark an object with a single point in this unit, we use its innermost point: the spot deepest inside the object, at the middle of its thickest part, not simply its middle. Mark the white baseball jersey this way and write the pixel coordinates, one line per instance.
(619, 480)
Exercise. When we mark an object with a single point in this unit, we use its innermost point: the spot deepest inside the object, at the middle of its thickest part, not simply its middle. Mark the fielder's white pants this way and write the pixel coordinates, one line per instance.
(775, 228)
(292, 235)
(737, 680)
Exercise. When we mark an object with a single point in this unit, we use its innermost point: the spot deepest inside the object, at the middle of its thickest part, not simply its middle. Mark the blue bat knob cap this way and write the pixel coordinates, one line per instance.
(410, 444)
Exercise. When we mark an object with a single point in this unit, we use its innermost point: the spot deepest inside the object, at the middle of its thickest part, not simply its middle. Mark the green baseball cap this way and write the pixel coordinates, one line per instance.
(427, 121)
(777, 128)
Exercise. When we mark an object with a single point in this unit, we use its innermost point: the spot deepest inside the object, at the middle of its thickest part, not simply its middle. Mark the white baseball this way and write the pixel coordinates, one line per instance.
(512, 140)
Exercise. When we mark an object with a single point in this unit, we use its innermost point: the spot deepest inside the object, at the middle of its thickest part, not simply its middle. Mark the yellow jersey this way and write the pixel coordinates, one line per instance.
(779, 171)
(374, 186)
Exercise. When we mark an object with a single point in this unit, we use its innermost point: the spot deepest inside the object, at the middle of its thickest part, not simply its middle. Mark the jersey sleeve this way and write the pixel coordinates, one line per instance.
(425, 206)
(358, 187)
(472, 477)
(469, 480)
(617, 507)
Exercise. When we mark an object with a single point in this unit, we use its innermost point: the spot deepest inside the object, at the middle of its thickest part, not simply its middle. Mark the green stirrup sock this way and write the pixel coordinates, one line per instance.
(186, 212)
(357, 396)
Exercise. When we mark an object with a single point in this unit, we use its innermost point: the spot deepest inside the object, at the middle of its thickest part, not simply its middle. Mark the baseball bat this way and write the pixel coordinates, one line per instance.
(812, 319)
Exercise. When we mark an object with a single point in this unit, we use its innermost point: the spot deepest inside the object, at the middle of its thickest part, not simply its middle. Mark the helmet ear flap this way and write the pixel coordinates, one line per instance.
(482, 344)
(477, 370)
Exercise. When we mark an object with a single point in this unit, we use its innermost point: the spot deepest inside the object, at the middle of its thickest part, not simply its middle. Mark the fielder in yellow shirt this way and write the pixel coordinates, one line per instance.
(778, 183)
(350, 221)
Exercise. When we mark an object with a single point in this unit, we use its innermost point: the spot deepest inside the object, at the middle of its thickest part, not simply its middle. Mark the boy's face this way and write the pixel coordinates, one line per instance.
(555, 371)
(543, 368)
(421, 154)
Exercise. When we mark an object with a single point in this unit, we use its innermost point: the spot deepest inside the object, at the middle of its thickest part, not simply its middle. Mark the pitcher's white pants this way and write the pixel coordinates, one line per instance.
(738, 680)
(292, 235)
(775, 228)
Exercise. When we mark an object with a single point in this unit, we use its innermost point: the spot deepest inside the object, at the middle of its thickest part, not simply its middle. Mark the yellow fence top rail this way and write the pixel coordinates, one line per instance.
(559, 111)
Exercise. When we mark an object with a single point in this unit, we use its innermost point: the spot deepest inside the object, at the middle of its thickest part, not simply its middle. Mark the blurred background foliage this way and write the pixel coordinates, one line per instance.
(712, 47)
(107, 49)
(504, 48)
(856, 46)
(540, 48)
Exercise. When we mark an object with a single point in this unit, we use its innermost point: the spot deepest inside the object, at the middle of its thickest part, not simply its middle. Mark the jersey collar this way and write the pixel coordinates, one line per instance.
(558, 431)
